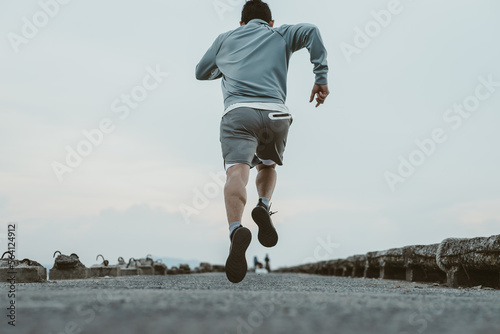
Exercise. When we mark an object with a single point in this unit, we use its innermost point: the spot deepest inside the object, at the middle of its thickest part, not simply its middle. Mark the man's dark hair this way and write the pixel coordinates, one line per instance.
(256, 9)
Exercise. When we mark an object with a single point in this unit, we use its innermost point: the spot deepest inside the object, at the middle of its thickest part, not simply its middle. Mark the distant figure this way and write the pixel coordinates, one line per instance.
(252, 61)
(267, 263)
(256, 263)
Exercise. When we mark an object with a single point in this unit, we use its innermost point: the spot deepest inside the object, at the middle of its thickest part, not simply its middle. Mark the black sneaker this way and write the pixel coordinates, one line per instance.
(261, 215)
(236, 263)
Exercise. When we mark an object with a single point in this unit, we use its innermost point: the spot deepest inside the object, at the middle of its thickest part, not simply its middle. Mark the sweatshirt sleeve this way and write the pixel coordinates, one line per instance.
(307, 35)
(206, 68)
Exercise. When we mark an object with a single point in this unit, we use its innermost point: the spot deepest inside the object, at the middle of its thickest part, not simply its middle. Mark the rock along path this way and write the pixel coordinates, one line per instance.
(274, 303)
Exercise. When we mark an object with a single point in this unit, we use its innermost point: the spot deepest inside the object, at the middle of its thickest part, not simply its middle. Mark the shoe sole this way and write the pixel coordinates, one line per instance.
(236, 263)
(268, 236)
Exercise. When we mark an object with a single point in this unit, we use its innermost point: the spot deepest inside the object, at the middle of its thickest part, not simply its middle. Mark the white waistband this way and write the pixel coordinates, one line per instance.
(279, 107)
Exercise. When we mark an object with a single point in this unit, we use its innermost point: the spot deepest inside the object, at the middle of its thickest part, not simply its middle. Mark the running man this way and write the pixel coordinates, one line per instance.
(252, 61)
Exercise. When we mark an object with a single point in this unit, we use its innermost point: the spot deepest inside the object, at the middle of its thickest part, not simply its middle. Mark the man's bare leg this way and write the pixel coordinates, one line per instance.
(235, 197)
(235, 193)
(265, 182)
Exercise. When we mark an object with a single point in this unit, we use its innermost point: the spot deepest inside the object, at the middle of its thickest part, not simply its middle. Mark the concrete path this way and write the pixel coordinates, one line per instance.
(274, 303)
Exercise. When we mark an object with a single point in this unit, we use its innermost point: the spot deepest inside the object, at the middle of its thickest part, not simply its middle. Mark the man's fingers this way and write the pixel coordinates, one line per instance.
(319, 101)
(312, 96)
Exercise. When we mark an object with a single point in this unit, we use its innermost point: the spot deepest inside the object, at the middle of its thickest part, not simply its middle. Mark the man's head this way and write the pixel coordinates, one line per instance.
(256, 9)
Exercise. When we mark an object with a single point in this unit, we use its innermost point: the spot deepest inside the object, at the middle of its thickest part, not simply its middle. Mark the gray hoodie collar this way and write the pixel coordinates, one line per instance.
(257, 21)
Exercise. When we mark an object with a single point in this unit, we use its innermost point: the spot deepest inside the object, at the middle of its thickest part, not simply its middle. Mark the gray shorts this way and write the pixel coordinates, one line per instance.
(249, 136)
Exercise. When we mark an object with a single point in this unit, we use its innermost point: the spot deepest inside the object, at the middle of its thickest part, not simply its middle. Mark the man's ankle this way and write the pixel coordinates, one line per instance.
(233, 227)
(265, 201)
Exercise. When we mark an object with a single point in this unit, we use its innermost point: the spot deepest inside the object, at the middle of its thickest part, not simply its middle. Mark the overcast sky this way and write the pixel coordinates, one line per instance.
(405, 150)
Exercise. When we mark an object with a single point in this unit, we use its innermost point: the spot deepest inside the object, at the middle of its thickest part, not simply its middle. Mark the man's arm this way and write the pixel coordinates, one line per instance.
(206, 68)
(307, 35)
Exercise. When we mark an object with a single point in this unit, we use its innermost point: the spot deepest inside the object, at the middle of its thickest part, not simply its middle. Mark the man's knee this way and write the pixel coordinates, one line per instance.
(237, 171)
(264, 166)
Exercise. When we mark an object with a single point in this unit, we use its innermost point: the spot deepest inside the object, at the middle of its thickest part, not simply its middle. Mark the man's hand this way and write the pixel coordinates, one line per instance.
(321, 92)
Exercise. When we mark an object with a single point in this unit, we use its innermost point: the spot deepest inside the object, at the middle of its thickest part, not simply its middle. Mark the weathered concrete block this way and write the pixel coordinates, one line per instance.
(388, 272)
(421, 265)
(218, 268)
(329, 267)
(387, 264)
(24, 271)
(68, 267)
(470, 262)
(102, 271)
(372, 265)
(63, 262)
(338, 267)
(24, 274)
(337, 270)
(206, 267)
(160, 269)
(145, 261)
(147, 270)
(346, 267)
(173, 271)
(392, 265)
(357, 265)
(298, 269)
(314, 268)
(321, 268)
(184, 269)
(75, 273)
(308, 268)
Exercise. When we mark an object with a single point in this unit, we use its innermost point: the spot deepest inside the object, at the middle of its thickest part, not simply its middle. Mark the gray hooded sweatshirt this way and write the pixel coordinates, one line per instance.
(252, 60)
